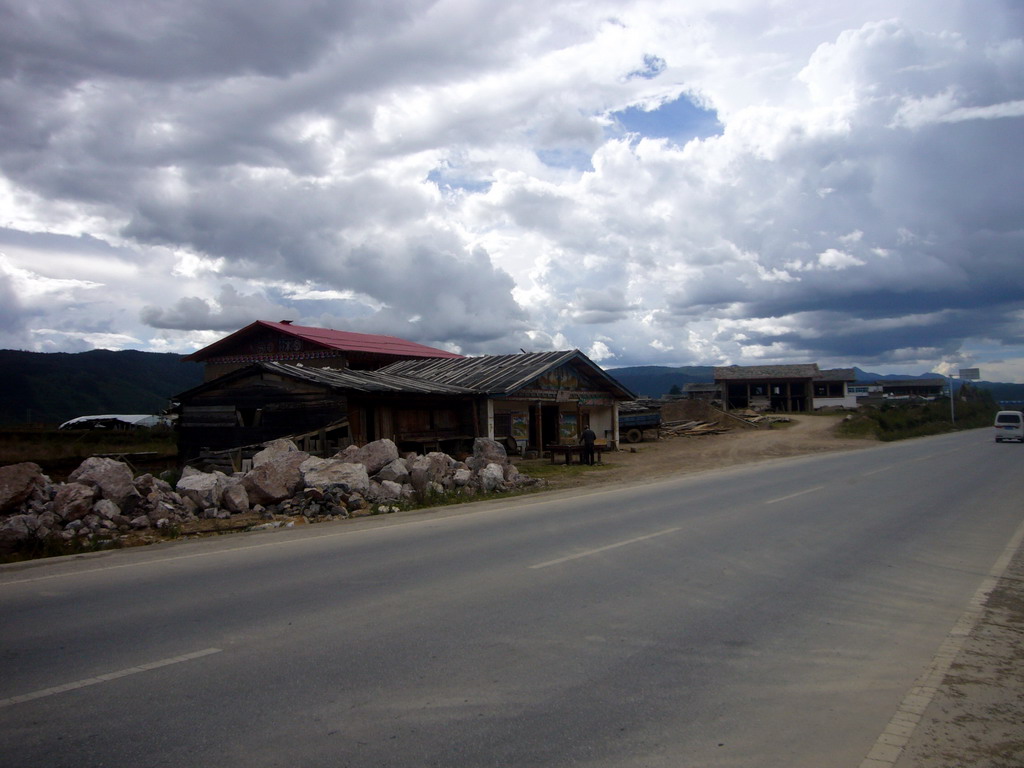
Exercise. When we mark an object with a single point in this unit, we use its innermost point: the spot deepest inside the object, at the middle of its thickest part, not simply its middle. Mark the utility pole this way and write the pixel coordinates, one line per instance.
(966, 374)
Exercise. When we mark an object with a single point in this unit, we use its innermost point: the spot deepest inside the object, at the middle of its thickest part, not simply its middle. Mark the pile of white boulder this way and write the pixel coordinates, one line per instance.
(103, 501)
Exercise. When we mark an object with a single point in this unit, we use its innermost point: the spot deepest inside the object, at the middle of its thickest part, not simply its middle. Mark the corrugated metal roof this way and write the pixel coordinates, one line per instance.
(500, 374)
(745, 372)
(343, 341)
(837, 374)
(487, 375)
(347, 379)
(365, 381)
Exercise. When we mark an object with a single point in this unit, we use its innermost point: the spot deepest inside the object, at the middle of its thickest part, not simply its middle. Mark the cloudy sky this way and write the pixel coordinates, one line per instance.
(652, 182)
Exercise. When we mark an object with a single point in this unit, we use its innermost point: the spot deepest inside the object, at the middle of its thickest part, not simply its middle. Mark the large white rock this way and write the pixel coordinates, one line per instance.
(487, 451)
(275, 480)
(206, 489)
(235, 498)
(491, 477)
(18, 482)
(376, 455)
(388, 490)
(326, 473)
(73, 501)
(396, 471)
(112, 478)
(273, 451)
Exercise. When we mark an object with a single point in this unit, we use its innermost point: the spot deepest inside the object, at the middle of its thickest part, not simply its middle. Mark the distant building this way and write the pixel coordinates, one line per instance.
(785, 388)
(702, 391)
(832, 389)
(119, 422)
(780, 388)
(907, 388)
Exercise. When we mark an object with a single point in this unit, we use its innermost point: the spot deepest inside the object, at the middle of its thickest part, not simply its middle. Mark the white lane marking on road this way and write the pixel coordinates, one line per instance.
(876, 471)
(107, 677)
(605, 548)
(897, 733)
(794, 495)
(929, 457)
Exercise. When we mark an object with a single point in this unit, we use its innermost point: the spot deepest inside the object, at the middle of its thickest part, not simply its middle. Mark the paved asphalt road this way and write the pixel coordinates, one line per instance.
(773, 615)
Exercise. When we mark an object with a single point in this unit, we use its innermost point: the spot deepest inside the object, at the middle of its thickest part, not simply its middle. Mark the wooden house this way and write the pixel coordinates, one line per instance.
(532, 399)
(528, 401)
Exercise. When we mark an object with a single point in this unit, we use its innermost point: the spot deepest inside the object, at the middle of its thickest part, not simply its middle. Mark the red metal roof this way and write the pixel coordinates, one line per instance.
(345, 341)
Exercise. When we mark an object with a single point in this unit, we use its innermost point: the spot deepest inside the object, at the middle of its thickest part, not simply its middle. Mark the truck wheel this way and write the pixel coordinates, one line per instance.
(634, 436)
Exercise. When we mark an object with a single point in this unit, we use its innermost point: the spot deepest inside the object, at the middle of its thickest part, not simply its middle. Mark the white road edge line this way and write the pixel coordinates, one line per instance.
(616, 545)
(106, 678)
(897, 733)
(794, 495)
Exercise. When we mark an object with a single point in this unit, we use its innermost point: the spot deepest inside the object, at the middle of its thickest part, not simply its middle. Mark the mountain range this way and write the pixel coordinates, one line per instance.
(51, 388)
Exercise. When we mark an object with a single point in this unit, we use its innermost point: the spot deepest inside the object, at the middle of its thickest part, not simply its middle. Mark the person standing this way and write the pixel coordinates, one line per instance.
(588, 438)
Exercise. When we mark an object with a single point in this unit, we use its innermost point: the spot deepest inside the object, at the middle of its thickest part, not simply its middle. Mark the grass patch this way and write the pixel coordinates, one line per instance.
(543, 469)
(904, 420)
(55, 547)
(59, 452)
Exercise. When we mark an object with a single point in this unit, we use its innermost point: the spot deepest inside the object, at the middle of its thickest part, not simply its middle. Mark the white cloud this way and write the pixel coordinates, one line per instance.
(835, 259)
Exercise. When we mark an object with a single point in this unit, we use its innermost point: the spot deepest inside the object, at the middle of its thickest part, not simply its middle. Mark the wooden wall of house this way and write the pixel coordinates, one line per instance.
(254, 411)
(415, 422)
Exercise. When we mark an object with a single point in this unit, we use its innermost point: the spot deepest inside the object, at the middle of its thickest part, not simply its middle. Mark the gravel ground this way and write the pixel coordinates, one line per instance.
(976, 717)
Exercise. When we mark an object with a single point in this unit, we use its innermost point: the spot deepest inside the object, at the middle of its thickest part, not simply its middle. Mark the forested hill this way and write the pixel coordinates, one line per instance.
(657, 380)
(52, 387)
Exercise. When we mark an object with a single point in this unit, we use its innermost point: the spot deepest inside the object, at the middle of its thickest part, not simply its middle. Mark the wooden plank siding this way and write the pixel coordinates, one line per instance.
(254, 413)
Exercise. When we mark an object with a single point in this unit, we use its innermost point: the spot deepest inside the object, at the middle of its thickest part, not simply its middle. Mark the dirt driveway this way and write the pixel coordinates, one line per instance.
(681, 455)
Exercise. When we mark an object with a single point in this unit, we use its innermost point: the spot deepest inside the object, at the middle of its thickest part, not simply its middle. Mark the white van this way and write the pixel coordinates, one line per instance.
(1009, 426)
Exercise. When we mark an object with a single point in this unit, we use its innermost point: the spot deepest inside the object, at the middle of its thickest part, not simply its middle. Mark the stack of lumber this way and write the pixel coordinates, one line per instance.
(691, 428)
(762, 419)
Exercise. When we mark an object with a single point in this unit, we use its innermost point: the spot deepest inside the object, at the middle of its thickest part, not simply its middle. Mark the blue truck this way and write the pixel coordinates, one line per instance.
(634, 423)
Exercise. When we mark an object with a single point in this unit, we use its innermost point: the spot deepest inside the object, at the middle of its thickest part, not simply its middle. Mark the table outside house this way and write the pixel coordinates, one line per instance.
(575, 450)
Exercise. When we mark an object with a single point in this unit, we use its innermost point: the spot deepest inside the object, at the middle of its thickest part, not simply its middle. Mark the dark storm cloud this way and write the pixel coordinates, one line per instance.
(64, 42)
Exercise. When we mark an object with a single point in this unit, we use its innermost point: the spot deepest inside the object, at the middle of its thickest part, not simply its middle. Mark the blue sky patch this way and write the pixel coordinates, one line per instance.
(576, 159)
(653, 66)
(447, 177)
(678, 121)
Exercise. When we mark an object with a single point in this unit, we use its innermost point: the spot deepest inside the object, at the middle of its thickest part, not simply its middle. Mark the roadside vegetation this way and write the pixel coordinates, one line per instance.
(60, 451)
(903, 420)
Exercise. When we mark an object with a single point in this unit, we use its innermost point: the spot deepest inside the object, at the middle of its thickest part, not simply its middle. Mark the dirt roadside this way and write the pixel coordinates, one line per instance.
(672, 456)
(976, 716)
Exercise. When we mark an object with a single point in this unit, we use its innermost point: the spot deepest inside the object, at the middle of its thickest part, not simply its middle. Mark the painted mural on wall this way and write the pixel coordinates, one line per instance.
(565, 383)
(567, 431)
(520, 426)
